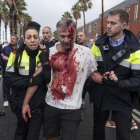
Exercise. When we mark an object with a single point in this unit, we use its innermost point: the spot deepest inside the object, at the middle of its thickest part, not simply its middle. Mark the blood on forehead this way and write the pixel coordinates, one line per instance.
(71, 30)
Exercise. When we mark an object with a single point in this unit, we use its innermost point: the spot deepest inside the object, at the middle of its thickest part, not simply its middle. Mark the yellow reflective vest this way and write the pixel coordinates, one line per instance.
(111, 98)
(24, 65)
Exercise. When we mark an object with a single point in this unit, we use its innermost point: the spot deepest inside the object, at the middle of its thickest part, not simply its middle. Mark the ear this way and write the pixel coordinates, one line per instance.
(124, 25)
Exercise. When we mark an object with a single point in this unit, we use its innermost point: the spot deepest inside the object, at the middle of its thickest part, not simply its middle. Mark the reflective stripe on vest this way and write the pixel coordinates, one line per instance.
(10, 68)
(125, 63)
(24, 65)
(133, 61)
(99, 58)
(135, 66)
(23, 72)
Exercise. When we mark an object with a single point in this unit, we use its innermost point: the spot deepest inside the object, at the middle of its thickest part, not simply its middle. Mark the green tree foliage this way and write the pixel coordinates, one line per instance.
(84, 6)
(67, 15)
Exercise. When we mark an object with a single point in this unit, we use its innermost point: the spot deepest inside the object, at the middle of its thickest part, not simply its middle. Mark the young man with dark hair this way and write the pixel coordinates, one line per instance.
(118, 51)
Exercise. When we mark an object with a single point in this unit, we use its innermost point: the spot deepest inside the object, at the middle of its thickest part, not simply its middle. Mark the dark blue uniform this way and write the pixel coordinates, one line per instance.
(6, 52)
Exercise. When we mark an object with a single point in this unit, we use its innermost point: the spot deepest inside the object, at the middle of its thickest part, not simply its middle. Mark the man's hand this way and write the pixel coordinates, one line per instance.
(5, 58)
(26, 110)
(43, 47)
(111, 75)
(96, 77)
(110, 79)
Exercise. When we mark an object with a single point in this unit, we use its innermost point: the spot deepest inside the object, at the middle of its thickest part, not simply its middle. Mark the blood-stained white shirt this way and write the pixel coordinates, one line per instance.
(68, 75)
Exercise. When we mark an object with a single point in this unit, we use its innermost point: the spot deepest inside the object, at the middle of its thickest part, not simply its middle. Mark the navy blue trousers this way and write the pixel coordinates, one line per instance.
(6, 90)
(122, 120)
(30, 130)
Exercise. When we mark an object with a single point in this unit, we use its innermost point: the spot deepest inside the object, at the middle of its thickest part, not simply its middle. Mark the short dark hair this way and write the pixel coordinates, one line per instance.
(34, 25)
(15, 36)
(124, 17)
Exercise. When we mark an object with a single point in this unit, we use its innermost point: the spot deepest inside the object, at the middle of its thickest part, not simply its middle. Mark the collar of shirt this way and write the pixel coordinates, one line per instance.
(57, 43)
(51, 39)
(117, 42)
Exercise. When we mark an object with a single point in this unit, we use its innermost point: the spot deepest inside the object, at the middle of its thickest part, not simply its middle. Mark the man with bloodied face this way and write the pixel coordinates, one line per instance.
(71, 64)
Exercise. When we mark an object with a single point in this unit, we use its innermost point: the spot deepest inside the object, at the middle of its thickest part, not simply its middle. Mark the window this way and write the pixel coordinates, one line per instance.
(136, 11)
(87, 37)
(95, 26)
(89, 29)
(96, 34)
(128, 10)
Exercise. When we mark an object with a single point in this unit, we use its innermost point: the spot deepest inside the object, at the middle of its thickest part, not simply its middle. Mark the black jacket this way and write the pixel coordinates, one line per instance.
(19, 84)
(110, 98)
(49, 44)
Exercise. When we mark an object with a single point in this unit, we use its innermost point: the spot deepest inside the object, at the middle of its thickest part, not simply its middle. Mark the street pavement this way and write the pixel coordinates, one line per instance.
(8, 124)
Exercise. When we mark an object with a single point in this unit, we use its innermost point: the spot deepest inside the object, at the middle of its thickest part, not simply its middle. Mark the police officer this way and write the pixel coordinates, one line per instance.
(116, 51)
(20, 71)
(30, 24)
(48, 40)
(5, 56)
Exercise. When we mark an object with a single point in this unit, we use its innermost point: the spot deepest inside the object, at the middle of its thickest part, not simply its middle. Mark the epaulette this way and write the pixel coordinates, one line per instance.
(54, 40)
(14, 51)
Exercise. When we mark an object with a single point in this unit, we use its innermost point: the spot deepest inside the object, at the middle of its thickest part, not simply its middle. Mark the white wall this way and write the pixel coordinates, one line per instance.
(3, 33)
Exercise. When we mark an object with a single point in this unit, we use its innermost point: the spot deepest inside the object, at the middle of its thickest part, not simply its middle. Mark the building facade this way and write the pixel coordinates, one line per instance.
(93, 28)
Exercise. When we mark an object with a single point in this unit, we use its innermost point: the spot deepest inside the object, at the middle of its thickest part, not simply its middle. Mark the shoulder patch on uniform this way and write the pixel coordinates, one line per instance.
(14, 51)
(54, 40)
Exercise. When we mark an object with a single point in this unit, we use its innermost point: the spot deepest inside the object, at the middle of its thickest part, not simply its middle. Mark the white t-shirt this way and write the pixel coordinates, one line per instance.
(68, 75)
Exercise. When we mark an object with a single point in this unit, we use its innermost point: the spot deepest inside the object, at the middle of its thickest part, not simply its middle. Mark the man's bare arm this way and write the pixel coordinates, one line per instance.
(5, 58)
(96, 77)
(29, 93)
